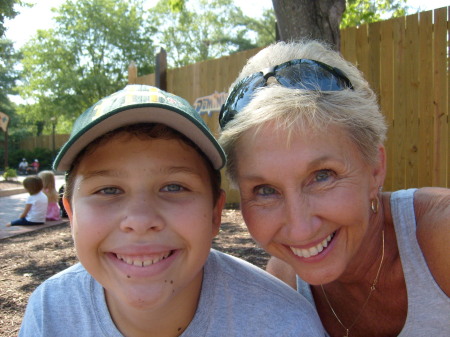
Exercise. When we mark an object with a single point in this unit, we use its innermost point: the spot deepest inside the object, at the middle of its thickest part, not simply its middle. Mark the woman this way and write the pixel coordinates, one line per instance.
(304, 139)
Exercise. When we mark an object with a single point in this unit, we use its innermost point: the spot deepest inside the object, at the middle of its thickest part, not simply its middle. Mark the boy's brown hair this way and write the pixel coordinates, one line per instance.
(33, 184)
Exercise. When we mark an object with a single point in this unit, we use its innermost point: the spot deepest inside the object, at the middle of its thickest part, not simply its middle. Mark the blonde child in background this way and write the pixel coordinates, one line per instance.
(53, 210)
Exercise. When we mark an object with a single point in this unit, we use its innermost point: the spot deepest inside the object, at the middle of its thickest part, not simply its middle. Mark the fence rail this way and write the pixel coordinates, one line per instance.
(406, 62)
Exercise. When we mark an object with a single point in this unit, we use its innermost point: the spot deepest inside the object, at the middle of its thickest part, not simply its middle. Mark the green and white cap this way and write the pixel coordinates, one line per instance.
(139, 104)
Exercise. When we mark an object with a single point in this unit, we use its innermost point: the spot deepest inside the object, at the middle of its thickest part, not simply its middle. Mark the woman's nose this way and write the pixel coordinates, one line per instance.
(300, 222)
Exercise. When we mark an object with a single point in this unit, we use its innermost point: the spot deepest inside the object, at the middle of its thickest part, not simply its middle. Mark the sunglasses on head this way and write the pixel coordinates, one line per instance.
(296, 74)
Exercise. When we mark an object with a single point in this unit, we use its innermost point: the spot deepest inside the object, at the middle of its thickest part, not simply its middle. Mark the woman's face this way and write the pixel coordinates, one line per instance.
(307, 200)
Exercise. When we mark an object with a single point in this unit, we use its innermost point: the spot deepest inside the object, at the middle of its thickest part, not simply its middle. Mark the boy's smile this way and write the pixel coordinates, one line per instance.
(143, 220)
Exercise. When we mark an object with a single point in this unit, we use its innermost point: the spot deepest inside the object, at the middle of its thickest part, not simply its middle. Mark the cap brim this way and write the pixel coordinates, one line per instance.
(143, 113)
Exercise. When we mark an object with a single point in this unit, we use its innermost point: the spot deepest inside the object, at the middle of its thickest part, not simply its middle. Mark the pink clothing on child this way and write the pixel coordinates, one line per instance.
(53, 212)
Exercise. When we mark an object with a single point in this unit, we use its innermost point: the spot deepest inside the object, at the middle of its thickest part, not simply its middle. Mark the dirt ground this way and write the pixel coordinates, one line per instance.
(28, 259)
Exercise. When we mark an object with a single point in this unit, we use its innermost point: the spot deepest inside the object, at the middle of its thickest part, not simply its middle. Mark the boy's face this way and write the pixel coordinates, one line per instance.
(143, 219)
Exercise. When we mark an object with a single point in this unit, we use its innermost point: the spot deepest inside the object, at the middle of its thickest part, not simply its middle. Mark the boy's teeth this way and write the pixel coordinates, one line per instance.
(142, 261)
(313, 251)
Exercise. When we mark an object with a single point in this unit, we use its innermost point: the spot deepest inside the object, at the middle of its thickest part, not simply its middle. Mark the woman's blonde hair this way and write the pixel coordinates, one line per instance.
(355, 110)
(49, 188)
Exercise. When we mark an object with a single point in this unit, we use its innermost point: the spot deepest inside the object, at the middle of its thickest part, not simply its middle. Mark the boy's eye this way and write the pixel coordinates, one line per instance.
(322, 175)
(172, 188)
(109, 190)
(265, 190)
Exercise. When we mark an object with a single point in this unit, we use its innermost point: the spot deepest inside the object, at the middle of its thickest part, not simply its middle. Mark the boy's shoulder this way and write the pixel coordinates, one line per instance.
(248, 275)
(68, 282)
(245, 278)
(240, 299)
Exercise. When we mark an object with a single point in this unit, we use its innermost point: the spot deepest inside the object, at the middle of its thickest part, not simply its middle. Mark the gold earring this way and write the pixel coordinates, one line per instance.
(374, 205)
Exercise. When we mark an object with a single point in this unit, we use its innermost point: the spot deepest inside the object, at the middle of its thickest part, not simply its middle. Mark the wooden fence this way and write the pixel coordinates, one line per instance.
(405, 60)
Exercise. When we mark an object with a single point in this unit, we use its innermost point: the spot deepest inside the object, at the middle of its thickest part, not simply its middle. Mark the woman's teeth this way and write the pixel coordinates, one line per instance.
(143, 261)
(313, 251)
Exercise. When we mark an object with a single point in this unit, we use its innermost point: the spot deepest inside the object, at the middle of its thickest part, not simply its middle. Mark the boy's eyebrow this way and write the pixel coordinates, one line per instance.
(118, 173)
(181, 169)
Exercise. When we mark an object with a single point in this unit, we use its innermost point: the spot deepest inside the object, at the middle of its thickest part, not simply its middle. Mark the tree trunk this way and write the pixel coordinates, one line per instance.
(314, 19)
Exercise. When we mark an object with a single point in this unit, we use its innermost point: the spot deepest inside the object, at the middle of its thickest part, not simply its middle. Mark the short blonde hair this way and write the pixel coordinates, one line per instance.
(355, 110)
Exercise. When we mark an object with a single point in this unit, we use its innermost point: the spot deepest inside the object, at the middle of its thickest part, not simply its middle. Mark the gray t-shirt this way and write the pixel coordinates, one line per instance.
(237, 299)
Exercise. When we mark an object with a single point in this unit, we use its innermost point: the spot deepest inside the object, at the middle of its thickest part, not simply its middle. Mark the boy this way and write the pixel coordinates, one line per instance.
(35, 206)
(144, 202)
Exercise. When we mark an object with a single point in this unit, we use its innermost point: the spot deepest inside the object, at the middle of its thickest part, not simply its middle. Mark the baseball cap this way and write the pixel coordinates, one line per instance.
(139, 104)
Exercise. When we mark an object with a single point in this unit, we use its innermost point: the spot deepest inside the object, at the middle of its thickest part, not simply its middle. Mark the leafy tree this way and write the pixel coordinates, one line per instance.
(8, 74)
(84, 58)
(359, 12)
(193, 31)
(7, 11)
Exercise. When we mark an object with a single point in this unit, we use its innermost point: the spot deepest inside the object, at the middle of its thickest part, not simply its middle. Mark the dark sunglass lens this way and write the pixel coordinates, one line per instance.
(240, 97)
(243, 94)
(310, 75)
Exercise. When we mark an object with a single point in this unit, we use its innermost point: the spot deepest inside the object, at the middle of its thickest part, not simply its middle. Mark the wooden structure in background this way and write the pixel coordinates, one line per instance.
(406, 62)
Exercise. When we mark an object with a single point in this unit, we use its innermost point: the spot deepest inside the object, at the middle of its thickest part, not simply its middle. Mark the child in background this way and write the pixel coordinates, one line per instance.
(53, 210)
(144, 201)
(35, 206)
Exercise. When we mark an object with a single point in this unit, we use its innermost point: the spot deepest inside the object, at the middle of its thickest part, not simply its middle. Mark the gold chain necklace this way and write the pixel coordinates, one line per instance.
(372, 289)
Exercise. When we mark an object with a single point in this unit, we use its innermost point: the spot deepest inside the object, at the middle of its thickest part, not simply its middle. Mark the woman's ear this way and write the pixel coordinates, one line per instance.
(217, 213)
(379, 168)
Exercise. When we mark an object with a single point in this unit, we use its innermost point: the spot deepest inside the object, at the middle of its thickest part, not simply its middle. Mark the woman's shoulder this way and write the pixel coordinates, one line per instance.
(432, 210)
(432, 207)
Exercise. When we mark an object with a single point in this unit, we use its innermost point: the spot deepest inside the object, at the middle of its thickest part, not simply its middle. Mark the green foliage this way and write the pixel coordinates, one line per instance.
(8, 74)
(7, 11)
(84, 58)
(9, 173)
(359, 12)
(205, 30)
(45, 157)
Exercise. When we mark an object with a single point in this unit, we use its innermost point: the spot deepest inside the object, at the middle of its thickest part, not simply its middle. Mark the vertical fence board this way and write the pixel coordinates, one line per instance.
(373, 74)
(412, 103)
(349, 45)
(426, 87)
(440, 97)
(448, 98)
(386, 95)
(362, 50)
(399, 105)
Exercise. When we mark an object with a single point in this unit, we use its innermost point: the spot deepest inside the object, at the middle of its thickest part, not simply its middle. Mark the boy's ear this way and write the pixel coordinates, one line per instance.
(68, 208)
(217, 213)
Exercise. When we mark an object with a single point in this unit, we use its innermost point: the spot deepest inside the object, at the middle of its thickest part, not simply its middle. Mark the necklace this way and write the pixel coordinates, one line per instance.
(372, 289)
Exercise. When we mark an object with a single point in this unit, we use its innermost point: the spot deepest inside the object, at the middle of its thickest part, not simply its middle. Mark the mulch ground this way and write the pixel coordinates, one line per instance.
(28, 259)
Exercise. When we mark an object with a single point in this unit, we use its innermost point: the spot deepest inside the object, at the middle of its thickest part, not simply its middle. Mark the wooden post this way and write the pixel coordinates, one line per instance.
(161, 70)
(132, 73)
(6, 149)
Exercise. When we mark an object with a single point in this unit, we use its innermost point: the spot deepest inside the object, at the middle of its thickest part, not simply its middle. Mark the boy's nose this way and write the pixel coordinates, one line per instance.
(142, 216)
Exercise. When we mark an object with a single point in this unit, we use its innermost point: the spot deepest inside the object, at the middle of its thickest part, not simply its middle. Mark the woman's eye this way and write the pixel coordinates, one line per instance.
(265, 190)
(322, 175)
(109, 190)
(172, 188)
